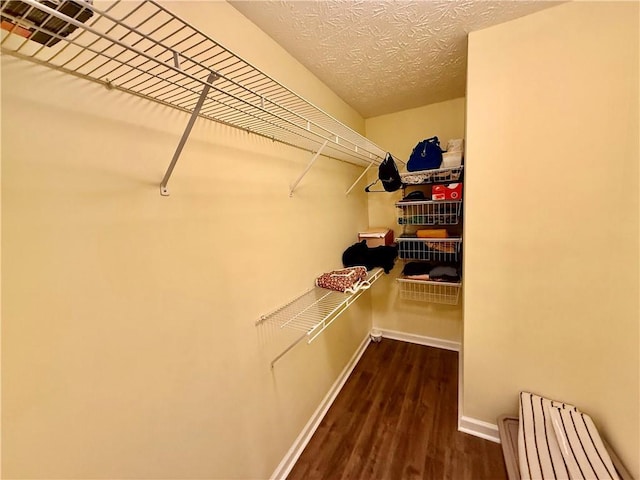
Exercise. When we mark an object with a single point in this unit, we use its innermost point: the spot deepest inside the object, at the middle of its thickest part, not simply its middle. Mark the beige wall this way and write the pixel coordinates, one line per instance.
(400, 132)
(129, 348)
(551, 225)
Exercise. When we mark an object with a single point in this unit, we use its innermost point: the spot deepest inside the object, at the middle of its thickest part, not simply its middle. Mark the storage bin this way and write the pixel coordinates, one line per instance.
(376, 237)
(451, 159)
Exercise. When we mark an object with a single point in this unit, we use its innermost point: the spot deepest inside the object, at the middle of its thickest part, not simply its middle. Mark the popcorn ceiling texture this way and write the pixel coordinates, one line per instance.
(383, 56)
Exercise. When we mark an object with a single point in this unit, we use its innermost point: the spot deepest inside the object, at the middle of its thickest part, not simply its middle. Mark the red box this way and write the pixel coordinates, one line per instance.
(453, 191)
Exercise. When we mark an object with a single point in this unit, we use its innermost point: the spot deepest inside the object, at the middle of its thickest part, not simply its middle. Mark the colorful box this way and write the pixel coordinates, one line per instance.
(453, 191)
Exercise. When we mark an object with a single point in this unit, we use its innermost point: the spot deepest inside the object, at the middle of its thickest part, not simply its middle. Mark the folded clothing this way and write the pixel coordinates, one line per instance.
(424, 276)
(417, 268)
(425, 250)
(428, 271)
(347, 280)
(443, 247)
(442, 272)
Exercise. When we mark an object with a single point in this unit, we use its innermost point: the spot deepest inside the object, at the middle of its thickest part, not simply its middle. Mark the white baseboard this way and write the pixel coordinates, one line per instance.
(478, 428)
(420, 339)
(290, 459)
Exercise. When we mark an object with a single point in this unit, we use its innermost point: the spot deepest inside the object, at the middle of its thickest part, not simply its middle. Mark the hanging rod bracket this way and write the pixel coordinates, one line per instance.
(213, 76)
(315, 157)
(360, 177)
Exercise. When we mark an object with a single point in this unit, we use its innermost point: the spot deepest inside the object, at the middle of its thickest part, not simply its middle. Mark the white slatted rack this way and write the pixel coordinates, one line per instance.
(312, 312)
(142, 48)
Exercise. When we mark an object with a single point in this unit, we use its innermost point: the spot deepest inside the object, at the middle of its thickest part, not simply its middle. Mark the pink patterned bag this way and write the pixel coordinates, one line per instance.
(347, 280)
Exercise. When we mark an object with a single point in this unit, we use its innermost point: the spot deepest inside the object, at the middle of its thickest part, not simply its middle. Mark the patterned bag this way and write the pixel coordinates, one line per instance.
(347, 280)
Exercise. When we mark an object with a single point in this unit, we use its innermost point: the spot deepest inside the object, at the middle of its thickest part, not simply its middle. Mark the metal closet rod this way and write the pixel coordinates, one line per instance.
(249, 116)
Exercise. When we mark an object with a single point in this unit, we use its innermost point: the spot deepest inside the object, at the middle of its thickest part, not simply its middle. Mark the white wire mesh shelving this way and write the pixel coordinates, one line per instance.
(312, 312)
(442, 212)
(142, 48)
(446, 293)
(433, 249)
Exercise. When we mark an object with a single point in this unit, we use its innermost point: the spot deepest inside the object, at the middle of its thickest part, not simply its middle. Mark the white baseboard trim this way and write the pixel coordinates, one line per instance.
(420, 339)
(290, 459)
(478, 428)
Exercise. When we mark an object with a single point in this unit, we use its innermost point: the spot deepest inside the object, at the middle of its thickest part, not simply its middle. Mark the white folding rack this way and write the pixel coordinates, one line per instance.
(312, 312)
(144, 49)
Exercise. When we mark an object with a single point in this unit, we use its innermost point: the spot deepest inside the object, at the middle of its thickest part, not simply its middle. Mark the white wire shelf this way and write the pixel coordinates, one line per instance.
(142, 48)
(441, 212)
(434, 249)
(420, 177)
(446, 293)
(312, 312)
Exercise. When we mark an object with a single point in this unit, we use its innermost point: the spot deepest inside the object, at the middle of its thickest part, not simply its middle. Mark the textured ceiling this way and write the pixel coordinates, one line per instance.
(383, 56)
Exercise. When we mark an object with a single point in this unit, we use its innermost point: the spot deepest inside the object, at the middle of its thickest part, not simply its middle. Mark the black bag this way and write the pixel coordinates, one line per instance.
(426, 155)
(388, 174)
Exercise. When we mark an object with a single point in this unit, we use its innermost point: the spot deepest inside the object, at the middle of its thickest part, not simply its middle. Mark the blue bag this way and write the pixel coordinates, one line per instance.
(426, 155)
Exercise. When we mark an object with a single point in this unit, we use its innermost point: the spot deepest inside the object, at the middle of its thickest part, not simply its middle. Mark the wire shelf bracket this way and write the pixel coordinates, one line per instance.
(312, 312)
(187, 131)
(360, 177)
(306, 170)
(144, 49)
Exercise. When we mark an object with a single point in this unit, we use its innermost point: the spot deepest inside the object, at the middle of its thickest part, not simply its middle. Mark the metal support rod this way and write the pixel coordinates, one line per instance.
(205, 90)
(281, 354)
(315, 157)
(359, 178)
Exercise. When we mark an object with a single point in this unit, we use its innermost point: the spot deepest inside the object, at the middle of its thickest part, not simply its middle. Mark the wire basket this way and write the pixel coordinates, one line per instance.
(427, 291)
(446, 212)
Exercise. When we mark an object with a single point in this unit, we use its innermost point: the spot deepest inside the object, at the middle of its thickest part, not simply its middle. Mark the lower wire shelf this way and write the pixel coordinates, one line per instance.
(312, 312)
(446, 293)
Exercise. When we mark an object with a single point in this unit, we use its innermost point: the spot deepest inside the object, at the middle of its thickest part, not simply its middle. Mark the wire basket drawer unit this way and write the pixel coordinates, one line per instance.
(446, 293)
(434, 249)
(440, 212)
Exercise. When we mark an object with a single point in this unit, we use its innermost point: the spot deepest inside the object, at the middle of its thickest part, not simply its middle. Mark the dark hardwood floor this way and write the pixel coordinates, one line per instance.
(396, 418)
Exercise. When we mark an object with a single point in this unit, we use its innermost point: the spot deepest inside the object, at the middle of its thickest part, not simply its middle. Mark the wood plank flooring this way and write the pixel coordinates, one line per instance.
(396, 419)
